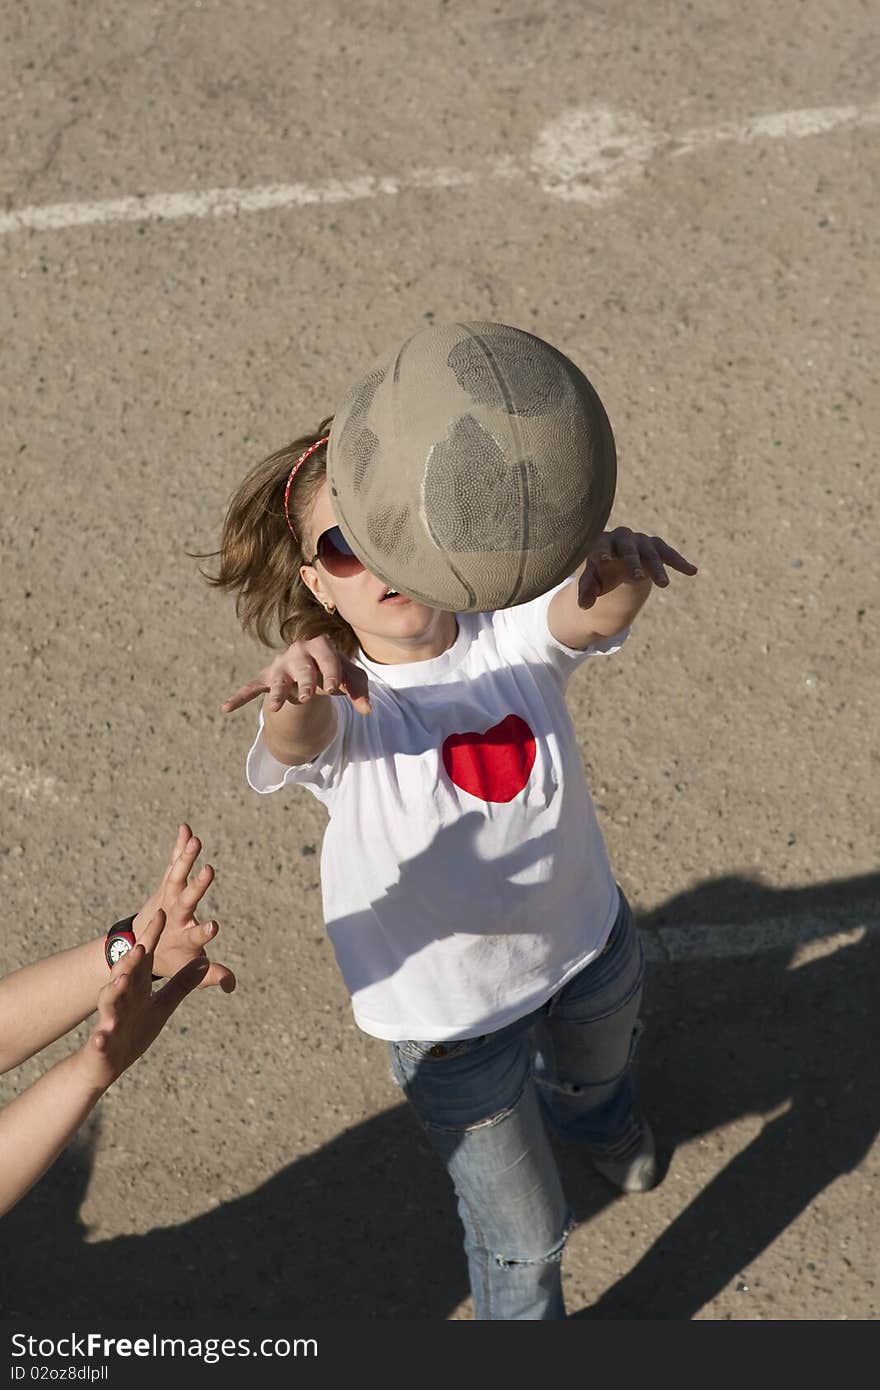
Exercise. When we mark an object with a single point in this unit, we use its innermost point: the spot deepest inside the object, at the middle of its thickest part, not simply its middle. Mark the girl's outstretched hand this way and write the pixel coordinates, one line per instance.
(314, 667)
(184, 937)
(623, 556)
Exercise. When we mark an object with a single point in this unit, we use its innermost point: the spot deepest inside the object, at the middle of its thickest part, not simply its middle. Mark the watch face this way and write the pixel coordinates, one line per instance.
(117, 947)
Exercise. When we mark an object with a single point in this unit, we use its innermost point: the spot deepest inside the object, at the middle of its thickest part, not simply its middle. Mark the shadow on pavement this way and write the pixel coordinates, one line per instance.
(750, 1035)
(366, 1226)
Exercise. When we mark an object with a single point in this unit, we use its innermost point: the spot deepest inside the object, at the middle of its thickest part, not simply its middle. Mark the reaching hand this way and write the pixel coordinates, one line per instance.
(307, 668)
(622, 556)
(184, 938)
(130, 1015)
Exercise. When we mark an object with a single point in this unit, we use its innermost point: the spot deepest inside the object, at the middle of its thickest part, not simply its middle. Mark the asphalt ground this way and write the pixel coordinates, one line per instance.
(216, 215)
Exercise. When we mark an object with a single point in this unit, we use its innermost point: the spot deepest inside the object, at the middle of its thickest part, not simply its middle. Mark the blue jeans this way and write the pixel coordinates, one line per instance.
(484, 1101)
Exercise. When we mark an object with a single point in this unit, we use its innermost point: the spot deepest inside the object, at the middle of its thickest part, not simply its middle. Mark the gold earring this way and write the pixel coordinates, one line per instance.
(329, 607)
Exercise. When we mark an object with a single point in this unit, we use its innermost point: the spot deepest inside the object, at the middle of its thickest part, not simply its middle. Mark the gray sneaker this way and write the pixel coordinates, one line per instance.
(638, 1172)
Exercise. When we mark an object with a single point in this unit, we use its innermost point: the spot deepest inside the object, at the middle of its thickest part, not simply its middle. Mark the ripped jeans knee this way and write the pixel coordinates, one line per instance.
(478, 1106)
(553, 1256)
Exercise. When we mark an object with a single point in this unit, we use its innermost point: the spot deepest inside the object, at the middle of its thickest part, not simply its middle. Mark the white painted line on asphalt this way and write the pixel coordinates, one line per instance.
(587, 155)
(808, 951)
(18, 779)
(804, 938)
(225, 202)
(785, 125)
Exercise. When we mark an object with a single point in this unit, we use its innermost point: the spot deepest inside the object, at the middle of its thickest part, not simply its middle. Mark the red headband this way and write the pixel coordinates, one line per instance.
(293, 472)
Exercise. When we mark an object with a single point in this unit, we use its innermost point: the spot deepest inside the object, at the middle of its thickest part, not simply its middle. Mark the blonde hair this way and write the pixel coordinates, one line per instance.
(260, 559)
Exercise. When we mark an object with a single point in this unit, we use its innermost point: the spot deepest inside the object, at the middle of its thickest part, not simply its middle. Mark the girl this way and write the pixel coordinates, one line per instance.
(466, 887)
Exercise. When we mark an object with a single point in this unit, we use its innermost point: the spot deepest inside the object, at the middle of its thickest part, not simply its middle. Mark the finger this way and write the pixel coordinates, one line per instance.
(672, 557)
(179, 986)
(183, 834)
(139, 977)
(282, 687)
(101, 1040)
(192, 940)
(195, 891)
(628, 550)
(120, 987)
(183, 863)
(243, 695)
(112, 1005)
(589, 587)
(126, 965)
(150, 938)
(362, 703)
(305, 673)
(107, 1006)
(601, 554)
(330, 669)
(355, 683)
(218, 974)
(659, 575)
(654, 563)
(206, 931)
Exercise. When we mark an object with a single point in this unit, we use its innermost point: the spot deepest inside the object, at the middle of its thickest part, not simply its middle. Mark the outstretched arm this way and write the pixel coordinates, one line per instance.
(43, 1001)
(297, 725)
(40, 1123)
(612, 585)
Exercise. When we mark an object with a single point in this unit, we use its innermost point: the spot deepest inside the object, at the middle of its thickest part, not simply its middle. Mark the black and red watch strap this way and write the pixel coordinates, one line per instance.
(124, 930)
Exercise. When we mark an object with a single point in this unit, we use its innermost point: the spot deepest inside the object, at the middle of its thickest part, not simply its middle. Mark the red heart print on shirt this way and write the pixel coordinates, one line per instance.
(493, 766)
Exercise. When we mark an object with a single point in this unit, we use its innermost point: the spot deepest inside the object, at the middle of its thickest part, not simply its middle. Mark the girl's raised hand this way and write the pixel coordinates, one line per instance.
(623, 556)
(314, 667)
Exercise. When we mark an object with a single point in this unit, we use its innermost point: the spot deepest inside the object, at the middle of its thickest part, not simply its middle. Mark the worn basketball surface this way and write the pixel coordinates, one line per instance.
(472, 467)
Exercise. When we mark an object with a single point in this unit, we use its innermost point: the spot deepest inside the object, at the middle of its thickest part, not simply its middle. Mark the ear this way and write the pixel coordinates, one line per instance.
(312, 580)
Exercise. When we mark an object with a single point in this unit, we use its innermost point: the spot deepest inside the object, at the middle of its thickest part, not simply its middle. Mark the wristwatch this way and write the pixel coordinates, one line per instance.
(119, 940)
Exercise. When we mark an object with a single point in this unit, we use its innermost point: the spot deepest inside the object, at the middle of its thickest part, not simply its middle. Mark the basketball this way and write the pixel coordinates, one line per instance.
(473, 467)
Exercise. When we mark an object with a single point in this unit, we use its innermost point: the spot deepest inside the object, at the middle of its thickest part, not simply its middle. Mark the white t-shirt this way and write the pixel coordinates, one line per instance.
(464, 874)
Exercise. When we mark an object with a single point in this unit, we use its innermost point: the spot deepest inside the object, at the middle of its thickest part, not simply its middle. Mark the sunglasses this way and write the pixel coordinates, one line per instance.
(336, 555)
